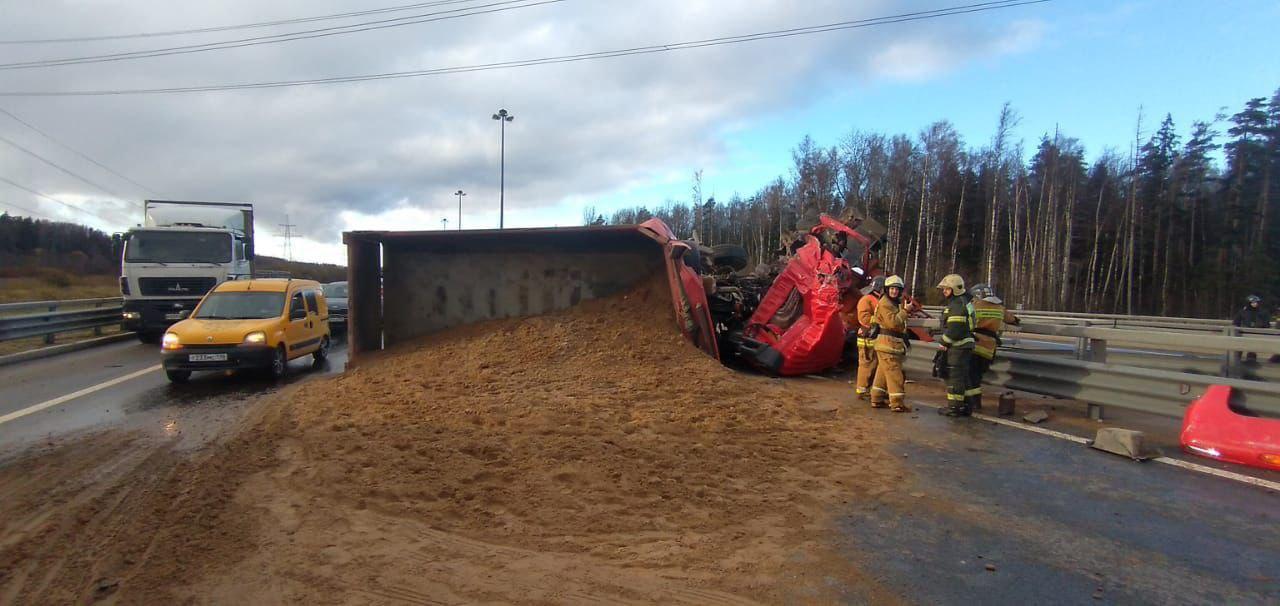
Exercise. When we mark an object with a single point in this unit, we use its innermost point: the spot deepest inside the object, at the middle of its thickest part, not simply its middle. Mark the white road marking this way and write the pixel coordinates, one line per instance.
(1221, 473)
(1196, 467)
(71, 396)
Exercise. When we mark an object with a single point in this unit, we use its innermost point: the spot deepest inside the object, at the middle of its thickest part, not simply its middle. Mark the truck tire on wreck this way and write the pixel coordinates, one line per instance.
(731, 256)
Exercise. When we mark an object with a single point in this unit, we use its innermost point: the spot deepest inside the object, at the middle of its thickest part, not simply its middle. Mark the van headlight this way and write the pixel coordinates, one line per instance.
(255, 338)
(170, 341)
(132, 315)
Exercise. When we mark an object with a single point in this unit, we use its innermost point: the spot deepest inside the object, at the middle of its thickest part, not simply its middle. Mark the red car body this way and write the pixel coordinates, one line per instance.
(1212, 430)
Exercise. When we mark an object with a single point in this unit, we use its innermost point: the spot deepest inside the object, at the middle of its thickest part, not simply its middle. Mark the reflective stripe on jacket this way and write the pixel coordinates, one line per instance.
(989, 318)
(957, 323)
(892, 318)
(866, 317)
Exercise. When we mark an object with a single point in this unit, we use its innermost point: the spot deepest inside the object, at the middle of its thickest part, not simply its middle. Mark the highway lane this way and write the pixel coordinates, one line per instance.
(1057, 522)
(990, 514)
(121, 385)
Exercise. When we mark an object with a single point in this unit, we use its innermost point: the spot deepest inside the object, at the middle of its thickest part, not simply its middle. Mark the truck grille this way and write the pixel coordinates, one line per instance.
(175, 287)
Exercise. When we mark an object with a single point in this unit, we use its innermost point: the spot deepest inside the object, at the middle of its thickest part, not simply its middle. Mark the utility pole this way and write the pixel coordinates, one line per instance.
(288, 238)
(459, 194)
(503, 117)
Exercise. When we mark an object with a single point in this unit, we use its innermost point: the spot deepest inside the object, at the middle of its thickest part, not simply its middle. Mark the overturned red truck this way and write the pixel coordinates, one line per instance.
(783, 318)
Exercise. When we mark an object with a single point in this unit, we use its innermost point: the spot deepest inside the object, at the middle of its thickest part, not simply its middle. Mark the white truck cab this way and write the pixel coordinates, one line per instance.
(182, 251)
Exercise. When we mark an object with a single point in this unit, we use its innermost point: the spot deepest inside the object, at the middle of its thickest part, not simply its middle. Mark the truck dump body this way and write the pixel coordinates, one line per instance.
(406, 285)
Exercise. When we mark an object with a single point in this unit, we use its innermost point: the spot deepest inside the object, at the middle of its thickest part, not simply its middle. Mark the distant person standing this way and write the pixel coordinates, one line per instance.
(867, 358)
(889, 390)
(989, 317)
(957, 341)
(1252, 316)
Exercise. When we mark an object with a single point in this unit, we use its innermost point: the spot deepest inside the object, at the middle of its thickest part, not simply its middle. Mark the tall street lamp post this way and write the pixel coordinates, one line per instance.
(459, 194)
(503, 118)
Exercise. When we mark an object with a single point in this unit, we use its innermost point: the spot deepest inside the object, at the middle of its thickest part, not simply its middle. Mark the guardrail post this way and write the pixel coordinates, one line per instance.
(1231, 359)
(1092, 350)
(97, 330)
(48, 337)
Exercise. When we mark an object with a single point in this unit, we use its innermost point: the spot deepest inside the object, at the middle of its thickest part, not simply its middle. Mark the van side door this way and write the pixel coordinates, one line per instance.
(318, 322)
(297, 332)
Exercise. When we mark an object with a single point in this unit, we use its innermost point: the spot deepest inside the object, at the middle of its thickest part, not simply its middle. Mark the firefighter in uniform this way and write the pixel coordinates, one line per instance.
(989, 317)
(889, 388)
(957, 341)
(867, 358)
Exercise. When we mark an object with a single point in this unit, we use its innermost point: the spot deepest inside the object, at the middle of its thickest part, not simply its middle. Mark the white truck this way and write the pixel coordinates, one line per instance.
(181, 251)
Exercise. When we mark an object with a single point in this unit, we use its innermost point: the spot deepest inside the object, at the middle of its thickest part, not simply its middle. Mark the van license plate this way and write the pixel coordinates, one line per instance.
(207, 357)
(173, 316)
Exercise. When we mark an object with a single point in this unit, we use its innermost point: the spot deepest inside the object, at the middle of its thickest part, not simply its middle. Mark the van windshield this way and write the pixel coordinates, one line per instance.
(178, 247)
(241, 306)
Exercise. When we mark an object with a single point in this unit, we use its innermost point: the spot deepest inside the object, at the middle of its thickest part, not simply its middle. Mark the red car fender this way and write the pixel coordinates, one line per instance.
(1212, 430)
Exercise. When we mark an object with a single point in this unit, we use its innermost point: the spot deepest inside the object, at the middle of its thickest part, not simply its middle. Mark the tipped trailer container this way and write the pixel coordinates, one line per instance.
(405, 285)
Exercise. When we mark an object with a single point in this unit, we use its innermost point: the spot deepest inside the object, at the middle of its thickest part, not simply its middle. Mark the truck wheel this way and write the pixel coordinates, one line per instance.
(729, 255)
(279, 364)
(323, 353)
(178, 376)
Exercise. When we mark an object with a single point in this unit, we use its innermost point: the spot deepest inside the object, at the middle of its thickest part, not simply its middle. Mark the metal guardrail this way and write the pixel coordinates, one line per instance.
(98, 313)
(1099, 384)
(1086, 375)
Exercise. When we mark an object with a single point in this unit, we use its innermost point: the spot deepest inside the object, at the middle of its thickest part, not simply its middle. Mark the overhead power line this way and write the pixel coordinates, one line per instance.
(24, 209)
(225, 28)
(337, 30)
(72, 149)
(643, 50)
(53, 199)
(61, 168)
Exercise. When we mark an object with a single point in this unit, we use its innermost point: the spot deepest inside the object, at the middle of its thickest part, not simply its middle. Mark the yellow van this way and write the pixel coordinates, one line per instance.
(240, 324)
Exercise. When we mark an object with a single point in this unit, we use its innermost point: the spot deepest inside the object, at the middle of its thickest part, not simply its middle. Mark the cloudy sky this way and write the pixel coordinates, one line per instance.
(388, 154)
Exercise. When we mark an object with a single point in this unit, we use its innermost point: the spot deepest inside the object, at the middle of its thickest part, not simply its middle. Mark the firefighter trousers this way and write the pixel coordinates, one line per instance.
(958, 362)
(978, 367)
(889, 384)
(867, 364)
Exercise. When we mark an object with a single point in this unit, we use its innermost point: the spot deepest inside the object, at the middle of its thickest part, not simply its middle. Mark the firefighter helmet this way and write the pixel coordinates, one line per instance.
(877, 285)
(894, 281)
(954, 282)
(982, 290)
(1254, 299)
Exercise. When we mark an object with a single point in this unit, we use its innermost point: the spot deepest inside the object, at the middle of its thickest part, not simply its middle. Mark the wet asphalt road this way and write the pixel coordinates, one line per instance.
(1058, 523)
(146, 402)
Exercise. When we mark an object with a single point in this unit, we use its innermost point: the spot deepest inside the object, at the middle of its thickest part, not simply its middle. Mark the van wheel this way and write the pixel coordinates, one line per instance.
(279, 363)
(148, 338)
(178, 376)
(322, 354)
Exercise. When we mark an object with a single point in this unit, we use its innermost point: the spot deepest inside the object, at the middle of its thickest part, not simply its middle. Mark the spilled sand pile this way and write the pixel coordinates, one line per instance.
(589, 455)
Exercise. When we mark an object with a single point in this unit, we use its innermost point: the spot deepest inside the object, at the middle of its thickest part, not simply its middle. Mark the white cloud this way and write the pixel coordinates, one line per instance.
(928, 54)
(342, 156)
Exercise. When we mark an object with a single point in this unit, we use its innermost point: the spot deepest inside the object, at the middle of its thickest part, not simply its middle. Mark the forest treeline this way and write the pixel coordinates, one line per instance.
(28, 245)
(1183, 223)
